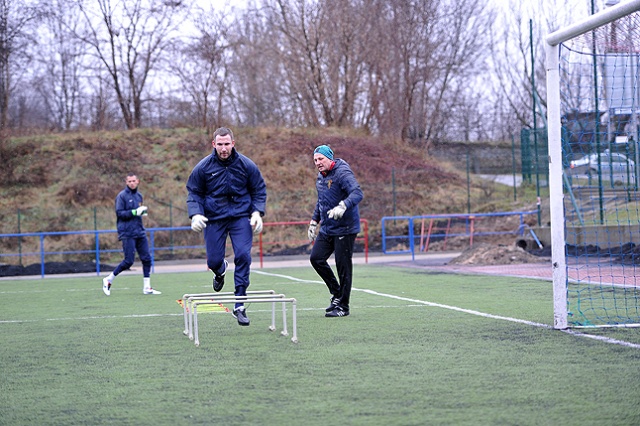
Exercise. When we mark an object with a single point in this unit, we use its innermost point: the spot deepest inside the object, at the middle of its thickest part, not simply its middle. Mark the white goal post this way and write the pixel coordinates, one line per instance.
(557, 181)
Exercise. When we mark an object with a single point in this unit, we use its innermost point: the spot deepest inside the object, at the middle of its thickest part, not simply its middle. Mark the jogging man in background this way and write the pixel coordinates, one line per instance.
(227, 196)
(129, 212)
(337, 212)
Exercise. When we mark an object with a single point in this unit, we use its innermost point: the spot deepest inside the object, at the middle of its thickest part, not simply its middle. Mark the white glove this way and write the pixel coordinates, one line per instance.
(313, 225)
(337, 212)
(198, 222)
(256, 222)
(139, 211)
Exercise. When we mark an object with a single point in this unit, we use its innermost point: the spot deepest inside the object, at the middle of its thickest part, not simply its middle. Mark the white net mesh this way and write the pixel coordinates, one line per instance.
(600, 97)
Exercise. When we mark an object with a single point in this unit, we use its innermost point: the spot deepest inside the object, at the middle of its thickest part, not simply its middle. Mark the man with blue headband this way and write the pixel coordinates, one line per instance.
(337, 215)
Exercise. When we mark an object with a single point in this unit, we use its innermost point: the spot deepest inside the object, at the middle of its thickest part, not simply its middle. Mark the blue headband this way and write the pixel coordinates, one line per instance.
(324, 150)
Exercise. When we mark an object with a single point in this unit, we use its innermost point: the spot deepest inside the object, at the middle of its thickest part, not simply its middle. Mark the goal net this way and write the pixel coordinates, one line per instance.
(593, 89)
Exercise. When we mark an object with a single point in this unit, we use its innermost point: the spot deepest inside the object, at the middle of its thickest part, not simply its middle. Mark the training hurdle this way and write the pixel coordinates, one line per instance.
(188, 298)
(191, 302)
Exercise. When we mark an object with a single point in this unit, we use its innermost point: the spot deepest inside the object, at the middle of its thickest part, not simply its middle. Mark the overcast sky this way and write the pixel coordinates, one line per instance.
(556, 10)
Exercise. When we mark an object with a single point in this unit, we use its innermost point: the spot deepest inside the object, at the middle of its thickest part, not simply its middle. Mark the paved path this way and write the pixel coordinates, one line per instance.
(434, 261)
(199, 265)
(598, 273)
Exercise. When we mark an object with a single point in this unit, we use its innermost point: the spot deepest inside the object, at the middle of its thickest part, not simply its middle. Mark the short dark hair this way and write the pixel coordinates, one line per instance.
(222, 131)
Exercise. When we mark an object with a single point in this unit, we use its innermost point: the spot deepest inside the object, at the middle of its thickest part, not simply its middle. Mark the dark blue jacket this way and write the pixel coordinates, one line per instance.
(338, 184)
(226, 189)
(129, 226)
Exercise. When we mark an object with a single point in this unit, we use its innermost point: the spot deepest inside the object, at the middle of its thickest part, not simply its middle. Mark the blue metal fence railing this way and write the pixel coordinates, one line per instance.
(400, 239)
(94, 246)
(403, 241)
(96, 251)
(456, 225)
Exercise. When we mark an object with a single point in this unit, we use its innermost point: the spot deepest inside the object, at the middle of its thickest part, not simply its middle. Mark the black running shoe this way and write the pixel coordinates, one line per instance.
(218, 280)
(241, 315)
(334, 302)
(339, 311)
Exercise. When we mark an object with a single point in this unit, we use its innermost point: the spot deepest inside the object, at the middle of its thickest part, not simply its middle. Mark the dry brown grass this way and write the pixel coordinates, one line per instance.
(58, 178)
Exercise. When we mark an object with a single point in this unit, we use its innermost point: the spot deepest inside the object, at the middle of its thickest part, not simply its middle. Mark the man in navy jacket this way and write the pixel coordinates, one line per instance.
(129, 212)
(337, 212)
(227, 196)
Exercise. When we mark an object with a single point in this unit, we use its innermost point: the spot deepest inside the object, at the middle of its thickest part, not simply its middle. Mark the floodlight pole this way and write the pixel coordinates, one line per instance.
(535, 121)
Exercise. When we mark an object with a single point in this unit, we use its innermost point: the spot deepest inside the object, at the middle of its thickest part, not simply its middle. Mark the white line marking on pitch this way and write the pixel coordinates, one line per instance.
(472, 312)
(91, 318)
(375, 293)
(287, 277)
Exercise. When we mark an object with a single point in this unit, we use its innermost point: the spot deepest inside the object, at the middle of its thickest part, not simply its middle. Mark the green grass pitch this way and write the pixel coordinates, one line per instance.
(418, 349)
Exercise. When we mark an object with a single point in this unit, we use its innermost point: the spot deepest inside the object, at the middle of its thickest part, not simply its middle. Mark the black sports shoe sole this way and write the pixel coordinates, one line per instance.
(218, 280)
(218, 284)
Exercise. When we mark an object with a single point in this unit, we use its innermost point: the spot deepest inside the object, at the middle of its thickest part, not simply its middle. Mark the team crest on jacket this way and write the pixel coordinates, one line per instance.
(329, 183)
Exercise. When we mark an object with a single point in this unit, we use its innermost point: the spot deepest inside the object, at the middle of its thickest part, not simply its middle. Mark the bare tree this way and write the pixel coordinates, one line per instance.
(384, 66)
(429, 59)
(128, 39)
(298, 21)
(102, 112)
(517, 48)
(62, 59)
(260, 90)
(511, 49)
(201, 66)
(321, 48)
(418, 68)
(16, 19)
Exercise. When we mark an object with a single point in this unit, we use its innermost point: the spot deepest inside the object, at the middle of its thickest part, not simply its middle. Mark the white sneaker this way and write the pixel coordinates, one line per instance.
(106, 286)
(151, 291)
